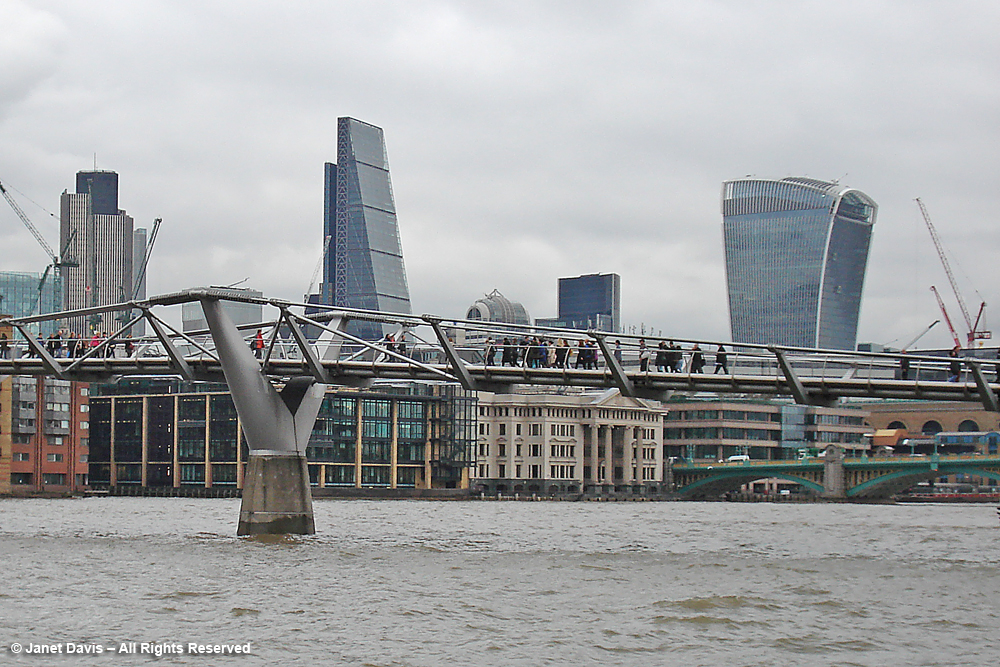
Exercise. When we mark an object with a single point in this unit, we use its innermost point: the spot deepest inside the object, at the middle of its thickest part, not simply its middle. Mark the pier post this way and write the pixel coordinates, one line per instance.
(276, 494)
(833, 473)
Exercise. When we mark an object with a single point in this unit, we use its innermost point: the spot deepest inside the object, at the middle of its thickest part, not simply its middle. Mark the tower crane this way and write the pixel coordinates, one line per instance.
(319, 265)
(58, 262)
(913, 341)
(974, 332)
(951, 328)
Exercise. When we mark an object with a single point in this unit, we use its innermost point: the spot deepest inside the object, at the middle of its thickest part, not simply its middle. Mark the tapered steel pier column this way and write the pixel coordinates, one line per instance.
(276, 494)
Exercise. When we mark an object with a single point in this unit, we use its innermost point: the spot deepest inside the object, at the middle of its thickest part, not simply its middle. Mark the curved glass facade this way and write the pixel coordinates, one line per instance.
(796, 254)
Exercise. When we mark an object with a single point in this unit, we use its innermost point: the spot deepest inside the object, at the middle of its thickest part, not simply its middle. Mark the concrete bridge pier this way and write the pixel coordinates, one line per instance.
(834, 486)
(276, 495)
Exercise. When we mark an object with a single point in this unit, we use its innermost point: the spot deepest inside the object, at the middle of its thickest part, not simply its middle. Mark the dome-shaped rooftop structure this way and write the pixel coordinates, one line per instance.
(495, 307)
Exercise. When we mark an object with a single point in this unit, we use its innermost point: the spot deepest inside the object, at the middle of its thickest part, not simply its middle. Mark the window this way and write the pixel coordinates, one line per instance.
(503, 429)
(502, 470)
(84, 391)
(503, 451)
(84, 408)
(517, 449)
(54, 458)
(22, 456)
(85, 425)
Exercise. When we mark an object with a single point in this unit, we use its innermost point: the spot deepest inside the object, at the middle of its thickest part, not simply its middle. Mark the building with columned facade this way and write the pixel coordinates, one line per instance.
(569, 444)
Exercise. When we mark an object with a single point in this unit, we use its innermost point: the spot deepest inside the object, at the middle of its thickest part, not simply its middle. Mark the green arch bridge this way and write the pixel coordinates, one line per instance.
(832, 476)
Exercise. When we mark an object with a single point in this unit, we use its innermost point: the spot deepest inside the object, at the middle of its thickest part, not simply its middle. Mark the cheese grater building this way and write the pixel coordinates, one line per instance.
(364, 262)
(796, 254)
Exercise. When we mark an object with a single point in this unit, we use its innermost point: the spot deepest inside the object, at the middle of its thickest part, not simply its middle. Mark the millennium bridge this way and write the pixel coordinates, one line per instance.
(278, 387)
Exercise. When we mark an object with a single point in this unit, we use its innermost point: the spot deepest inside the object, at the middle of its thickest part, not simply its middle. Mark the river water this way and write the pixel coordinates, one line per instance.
(503, 583)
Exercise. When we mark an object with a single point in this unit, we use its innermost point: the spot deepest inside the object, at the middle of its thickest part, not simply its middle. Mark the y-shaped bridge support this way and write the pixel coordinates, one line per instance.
(276, 494)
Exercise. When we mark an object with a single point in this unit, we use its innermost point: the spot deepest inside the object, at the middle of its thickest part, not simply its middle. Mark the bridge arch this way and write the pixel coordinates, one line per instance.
(908, 478)
(730, 482)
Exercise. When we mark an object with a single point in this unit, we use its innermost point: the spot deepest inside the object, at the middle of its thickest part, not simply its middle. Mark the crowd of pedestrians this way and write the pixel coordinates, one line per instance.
(70, 345)
(538, 352)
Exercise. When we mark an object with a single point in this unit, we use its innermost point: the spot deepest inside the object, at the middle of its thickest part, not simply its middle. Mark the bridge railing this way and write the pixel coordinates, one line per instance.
(474, 352)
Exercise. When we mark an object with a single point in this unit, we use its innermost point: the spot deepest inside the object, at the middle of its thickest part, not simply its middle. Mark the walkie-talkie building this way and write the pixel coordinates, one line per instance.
(364, 262)
(796, 254)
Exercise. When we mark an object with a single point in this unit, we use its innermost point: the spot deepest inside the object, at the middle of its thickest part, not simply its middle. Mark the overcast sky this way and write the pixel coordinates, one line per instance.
(527, 140)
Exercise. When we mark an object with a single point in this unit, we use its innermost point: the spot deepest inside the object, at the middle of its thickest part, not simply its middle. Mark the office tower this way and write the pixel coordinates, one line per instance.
(363, 267)
(103, 241)
(591, 301)
(796, 253)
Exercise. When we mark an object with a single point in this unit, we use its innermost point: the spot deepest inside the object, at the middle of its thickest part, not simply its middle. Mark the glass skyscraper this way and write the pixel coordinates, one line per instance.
(796, 253)
(364, 262)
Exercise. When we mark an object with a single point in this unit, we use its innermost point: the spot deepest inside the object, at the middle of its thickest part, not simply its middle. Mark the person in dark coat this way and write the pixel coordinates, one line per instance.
(697, 359)
(721, 361)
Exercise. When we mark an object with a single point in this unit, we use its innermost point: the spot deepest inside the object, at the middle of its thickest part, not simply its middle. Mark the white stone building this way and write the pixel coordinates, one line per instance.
(569, 444)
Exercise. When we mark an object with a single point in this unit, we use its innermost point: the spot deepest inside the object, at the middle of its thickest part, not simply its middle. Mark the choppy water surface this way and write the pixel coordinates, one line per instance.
(507, 583)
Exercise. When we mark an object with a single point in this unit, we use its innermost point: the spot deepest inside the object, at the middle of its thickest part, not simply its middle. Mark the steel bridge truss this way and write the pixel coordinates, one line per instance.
(431, 348)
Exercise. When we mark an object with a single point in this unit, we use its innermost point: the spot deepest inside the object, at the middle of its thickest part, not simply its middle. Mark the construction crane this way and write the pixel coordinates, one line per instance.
(140, 275)
(974, 333)
(319, 265)
(58, 261)
(947, 319)
(920, 335)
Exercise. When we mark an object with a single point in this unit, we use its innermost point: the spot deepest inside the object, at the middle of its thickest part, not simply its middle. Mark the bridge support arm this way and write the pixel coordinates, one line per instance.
(176, 358)
(794, 384)
(276, 494)
(461, 372)
(986, 393)
(625, 385)
(51, 365)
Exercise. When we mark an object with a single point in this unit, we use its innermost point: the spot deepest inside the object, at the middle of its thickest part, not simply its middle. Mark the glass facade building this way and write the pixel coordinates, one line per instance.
(592, 301)
(19, 296)
(796, 253)
(163, 433)
(363, 266)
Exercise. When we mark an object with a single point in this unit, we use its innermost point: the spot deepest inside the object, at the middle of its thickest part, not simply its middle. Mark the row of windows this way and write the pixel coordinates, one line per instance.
(562, 451)
(731, 415)
(534, 471)
(534, 449)
(714, 432)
